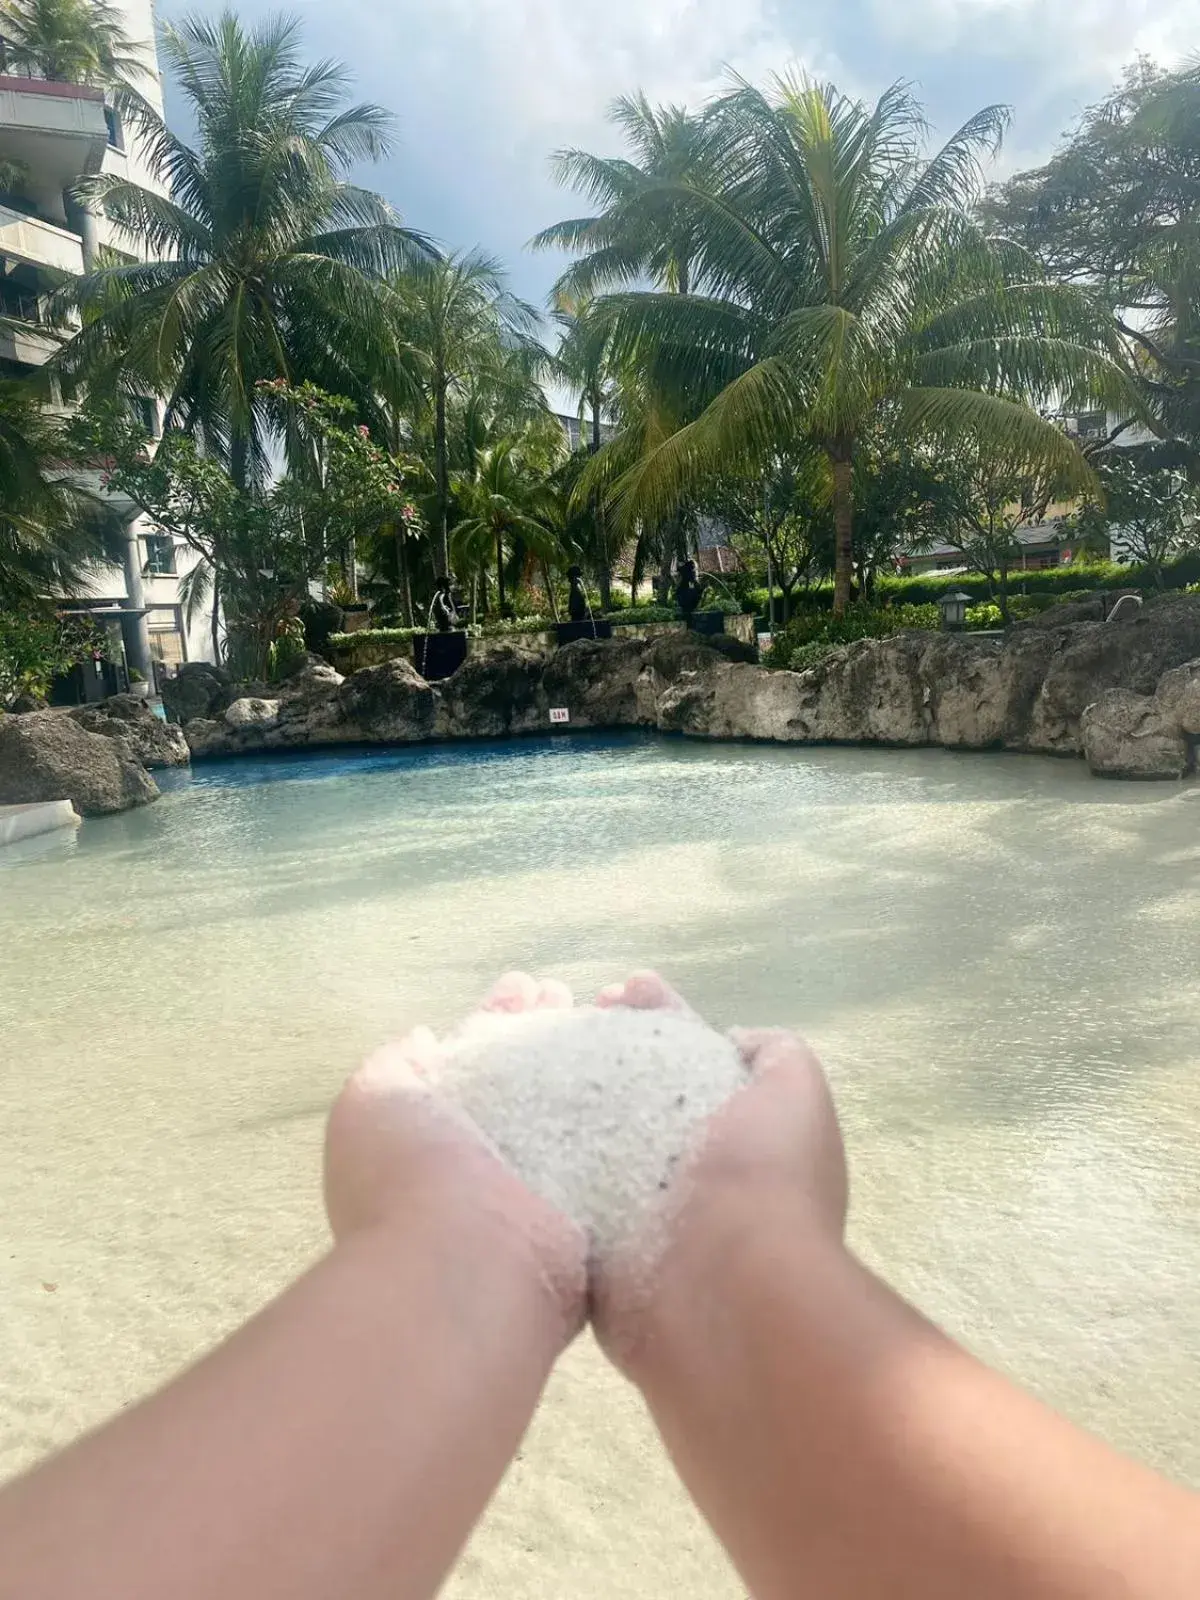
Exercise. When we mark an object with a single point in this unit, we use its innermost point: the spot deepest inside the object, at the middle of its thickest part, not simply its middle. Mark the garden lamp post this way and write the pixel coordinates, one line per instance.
(954, 611)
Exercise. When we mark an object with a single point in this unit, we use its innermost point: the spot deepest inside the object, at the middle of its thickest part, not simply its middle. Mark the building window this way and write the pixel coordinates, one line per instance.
(116, 133)
(144, 411)
(160, 555)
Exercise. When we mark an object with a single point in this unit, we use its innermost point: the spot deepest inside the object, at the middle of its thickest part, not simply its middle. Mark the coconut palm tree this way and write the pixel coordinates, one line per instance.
(70, 41)
(640, 231)
(582, 363)
(264, 262)
(466, 329)
(510, 512)
(51, 529)
(837, 280)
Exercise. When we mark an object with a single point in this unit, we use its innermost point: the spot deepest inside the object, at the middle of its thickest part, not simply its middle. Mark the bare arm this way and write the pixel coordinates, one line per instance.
(842, 1447)
(839, 1444)
(344, 1442)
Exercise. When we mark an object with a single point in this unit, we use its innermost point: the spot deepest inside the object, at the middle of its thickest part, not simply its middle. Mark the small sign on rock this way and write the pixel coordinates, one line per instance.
(559, 714)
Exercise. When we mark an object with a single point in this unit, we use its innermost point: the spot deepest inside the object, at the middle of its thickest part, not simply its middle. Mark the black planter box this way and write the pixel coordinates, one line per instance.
(90, 681)
(437, 655)
(707, 622)
(569, 632)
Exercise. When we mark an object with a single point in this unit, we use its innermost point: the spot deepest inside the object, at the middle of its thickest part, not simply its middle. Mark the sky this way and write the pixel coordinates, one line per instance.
(484, 90)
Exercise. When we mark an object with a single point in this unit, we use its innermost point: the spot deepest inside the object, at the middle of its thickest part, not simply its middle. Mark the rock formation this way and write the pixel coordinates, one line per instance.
(46, 755)
(1126, 694)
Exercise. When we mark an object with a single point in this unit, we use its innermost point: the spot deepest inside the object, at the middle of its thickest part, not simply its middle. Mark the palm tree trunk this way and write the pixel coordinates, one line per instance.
(549, 590)
(216, 614)
(403, 581)
(501, 597)
(604, 555)
(442, 474)
(841, 459)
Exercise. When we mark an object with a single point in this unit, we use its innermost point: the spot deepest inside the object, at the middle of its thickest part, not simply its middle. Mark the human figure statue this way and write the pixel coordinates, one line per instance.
(445, 612)
(577, 602)
(689, 590)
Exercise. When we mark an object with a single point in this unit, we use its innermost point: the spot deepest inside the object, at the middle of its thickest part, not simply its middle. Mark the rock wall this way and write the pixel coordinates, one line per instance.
(1125, 694)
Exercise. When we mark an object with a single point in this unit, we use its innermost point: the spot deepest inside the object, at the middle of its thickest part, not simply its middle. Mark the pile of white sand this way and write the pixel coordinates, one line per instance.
(593, 1108)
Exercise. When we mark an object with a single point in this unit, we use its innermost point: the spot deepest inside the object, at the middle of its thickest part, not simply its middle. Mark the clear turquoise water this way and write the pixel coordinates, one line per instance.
(997, 955)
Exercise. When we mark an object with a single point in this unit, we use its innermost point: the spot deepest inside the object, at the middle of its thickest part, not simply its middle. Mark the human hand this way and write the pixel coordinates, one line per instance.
(396, 1157)
(777, 1141)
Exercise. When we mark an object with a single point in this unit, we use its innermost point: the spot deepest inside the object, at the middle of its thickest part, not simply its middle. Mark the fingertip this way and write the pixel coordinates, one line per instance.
(554, 996)
(611, 995)
(515, 991)
(647, 991)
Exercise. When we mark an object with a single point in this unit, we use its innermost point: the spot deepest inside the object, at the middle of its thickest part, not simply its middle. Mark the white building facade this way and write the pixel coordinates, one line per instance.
(51, 135)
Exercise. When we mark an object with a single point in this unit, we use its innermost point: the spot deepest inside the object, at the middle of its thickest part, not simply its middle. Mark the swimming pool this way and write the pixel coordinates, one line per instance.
(997, 955)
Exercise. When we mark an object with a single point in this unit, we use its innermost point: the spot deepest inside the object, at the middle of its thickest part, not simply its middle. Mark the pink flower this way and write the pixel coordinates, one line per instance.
(363, 431)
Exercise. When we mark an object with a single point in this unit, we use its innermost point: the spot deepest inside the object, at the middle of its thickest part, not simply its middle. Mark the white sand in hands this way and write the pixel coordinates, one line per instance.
(593, 1108)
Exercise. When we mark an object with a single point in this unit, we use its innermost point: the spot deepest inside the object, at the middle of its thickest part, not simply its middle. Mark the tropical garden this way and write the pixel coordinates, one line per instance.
(791, 325)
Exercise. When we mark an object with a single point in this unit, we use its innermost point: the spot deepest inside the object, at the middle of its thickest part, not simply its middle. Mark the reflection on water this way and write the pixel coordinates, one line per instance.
(998, 957)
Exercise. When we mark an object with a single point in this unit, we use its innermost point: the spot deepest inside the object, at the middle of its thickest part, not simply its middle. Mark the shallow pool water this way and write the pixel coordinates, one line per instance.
(997, 955)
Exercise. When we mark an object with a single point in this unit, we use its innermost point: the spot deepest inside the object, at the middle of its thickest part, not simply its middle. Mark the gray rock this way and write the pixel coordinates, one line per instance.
(493, 695)
(150, 741)
(194, 690)
(1178, 697)
(1126, 735)
(46, 755)
(252, 714)
(388, 704)
(597, 681)
(1125, 655)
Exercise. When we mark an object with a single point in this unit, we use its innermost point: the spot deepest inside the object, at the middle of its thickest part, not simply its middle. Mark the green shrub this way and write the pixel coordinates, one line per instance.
(984, 616)
(341, 641)
(502, 626)
(647, 613)
(811, 627)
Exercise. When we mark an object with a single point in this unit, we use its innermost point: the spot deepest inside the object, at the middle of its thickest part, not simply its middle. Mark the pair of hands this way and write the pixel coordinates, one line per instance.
(394, 1160)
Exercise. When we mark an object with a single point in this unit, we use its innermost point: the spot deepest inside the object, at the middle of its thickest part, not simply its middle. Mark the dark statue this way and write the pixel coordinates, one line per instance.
(689, 590)
(577, 603)
(444, 611)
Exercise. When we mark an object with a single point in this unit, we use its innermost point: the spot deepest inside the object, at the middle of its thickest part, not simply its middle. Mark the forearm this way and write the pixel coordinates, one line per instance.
(343, 1443)
(842, 1446)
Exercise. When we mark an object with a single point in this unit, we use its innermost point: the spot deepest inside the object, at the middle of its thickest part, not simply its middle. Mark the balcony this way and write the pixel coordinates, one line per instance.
(39, 243)
(57, 131)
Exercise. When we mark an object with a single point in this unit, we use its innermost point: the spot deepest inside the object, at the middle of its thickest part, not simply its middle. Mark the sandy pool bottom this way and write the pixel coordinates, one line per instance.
(997, 958)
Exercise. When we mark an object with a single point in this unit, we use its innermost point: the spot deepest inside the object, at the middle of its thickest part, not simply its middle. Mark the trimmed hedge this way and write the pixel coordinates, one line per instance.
(1055, 582)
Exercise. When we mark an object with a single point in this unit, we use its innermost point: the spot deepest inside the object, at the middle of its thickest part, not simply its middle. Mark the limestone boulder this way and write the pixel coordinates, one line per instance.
(597, 682)
(150, 741)
(1132, 654)
(46, 755)
(388, 704)
(194, 690)
(1127, 735)
(1178, 698)
(493, 695)
(252, 715)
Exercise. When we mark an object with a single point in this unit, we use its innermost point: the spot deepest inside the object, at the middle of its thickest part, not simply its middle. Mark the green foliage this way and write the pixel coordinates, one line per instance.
(646, 613)
(36, 646)
(984, 617)
(811, 627)
(1115, 210)
(838, 288)
(51, 530)
(264, 262)
(71, 41)
(259, 547)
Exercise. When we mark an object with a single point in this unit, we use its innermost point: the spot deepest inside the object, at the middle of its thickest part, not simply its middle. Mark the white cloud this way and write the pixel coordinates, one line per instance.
(1059, 40)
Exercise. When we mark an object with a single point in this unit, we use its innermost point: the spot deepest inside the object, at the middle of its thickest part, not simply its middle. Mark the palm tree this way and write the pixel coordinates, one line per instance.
(265, 262)
(51, 529)
(510, 511)
(582, 362)
(70, 41)
(458, 316)
(640, 231)
(836, 281)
